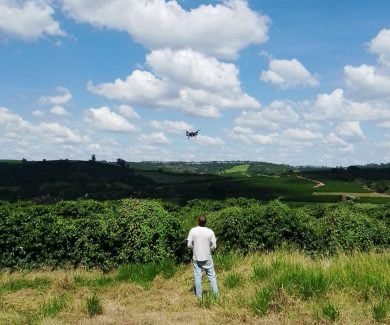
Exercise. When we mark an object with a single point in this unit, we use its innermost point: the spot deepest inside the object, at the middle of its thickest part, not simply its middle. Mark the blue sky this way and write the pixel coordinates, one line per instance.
(297, 82)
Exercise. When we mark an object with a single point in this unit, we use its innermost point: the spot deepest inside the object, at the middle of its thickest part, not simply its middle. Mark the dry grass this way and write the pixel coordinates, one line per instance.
(171, 301)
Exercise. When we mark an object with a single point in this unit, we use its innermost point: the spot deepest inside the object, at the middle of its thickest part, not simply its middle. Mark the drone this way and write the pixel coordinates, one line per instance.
(192, 134)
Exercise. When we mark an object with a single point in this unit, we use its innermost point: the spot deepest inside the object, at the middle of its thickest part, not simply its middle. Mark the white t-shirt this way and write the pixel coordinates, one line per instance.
(201, 240)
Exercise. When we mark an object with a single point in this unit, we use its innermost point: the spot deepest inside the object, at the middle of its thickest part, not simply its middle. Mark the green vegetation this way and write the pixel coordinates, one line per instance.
(330, 312)
(233, 280)
(262, 301)
(113, 233)
(239, 169)
(53, 306)
(50, 181)
(276, 287)
(144, 274)
(94, 305)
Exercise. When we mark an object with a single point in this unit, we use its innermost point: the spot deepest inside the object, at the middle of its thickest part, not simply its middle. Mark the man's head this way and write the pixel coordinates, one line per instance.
(202, 221)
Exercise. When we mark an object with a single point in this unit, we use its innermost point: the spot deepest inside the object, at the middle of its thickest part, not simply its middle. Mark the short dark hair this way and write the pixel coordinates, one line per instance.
(202, 221)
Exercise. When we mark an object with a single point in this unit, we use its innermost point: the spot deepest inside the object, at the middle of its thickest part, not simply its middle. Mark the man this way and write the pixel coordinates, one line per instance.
(202, 240)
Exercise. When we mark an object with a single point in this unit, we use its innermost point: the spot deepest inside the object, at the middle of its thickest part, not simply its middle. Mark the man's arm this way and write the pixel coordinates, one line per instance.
(190, 243)
(213, 241)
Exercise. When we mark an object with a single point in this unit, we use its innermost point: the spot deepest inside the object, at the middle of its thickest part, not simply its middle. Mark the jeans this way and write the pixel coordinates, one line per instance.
(208, 266)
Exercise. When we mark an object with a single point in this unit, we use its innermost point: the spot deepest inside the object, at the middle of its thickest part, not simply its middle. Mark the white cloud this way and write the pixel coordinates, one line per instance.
(28, 20)
(105, 120)
(384, 124)
(270, 116)
(220, 30)
(64, 97)
(154, 138)
(57, 133)
(141, 87)
(209, 141)
(334, 141)
(248, 136)
(128, 112)
(255, 119)
(194, 70)
(301, 135)
(367, 82)
(59, 110)
(288, 74)
(380, 45)
(350, 129)
(335, 106)
(38, 113)
(177, 85)
(171, 126)
(28, 133)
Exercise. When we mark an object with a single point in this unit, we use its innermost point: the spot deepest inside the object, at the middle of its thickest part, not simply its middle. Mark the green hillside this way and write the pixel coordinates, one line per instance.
(48, 181)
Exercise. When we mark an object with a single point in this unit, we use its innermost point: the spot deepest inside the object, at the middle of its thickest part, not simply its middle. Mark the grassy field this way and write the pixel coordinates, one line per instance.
(242, 169)
(275, 288)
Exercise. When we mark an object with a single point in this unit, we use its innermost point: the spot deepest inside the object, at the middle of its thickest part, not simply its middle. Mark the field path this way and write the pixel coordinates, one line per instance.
(318, 183)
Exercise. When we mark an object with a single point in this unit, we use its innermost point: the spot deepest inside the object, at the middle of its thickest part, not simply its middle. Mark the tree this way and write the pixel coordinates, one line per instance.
(93, 158)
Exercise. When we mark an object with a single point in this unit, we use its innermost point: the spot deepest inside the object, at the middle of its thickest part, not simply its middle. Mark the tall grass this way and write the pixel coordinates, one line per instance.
(233, 280)
(380, 311)
(276, 288)
(226, 261)
(330, 312)
(262, 301)
(13, 285)
(94, 305)
(97, 282)
(53, 306)
(144, 274)
(303, 282)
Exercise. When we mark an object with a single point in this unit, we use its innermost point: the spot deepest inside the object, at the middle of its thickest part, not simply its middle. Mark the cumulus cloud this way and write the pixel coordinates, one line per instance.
(270, 116)
(176, 85)
(209, 141)
(63, 98)
(221, 30)
(380, 45)
(128, 112)
(38, 113)
(288, 74)
(105, 120)
(335, 106)
(384, 124)
(247, 135)
(367, 82)
(140, 87)
(333, 140)
(28, 20)
(171, 126)
(350, 129)
(28, 132)
(59, 110)
(301, 135)
(194, 69)
(154, 138)
(59, 134)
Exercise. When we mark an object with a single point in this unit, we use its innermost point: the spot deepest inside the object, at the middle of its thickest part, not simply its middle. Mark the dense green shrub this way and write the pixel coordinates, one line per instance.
(88, 233)
(111, 233)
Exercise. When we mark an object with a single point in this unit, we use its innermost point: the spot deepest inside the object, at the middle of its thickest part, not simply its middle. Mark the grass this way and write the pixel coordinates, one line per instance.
(54, 306)
(262, 301)
(233, 280)
(330, 312)
(94, 305)
(274, 288)
(13, 285)
(380, 311)
(242, 169)
(144, 274)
